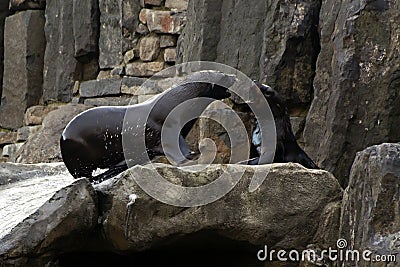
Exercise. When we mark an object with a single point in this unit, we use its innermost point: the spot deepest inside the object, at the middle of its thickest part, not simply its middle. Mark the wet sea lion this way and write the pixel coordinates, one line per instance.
(93, 139)
(287, 149)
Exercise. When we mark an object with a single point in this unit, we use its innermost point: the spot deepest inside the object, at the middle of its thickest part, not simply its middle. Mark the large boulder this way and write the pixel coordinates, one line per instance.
(51, 219)
(283, 212)
(356, 102)
(57, 218)
(370, 217)
(44, 145)
(23, 58)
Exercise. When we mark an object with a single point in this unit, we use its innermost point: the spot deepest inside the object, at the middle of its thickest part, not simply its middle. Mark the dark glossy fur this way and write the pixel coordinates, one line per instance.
(93, 139)
(287, 149)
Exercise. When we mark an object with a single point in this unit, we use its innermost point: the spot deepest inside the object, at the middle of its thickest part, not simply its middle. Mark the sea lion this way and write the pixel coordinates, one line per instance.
(287, 149)
(94, 139)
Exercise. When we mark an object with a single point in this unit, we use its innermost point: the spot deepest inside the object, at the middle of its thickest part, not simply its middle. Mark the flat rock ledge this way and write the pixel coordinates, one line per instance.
(284, 212)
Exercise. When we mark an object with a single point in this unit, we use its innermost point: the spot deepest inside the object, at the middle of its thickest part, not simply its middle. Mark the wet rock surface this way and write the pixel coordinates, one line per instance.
(63, 214)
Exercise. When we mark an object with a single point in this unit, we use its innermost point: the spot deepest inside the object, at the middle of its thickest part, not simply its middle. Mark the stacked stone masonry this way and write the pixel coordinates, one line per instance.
(96, 52)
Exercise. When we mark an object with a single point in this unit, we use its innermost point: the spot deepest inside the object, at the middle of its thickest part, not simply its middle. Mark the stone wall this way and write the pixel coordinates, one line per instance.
(96, 52)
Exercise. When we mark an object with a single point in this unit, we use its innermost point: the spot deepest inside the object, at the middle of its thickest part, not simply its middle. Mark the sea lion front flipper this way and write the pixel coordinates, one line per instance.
(112, 171)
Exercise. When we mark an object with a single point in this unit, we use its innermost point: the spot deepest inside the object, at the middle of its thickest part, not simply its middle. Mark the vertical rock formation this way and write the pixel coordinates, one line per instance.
(273, 41)
(3, 15)
(370, 217)
(23, 66)
(118, 20)
(357, 83)
(71, 33)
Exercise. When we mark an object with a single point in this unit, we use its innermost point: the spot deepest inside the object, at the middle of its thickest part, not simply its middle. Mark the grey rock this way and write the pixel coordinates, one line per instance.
(102, 87)
(149, 47)
(10, 150)
(144, 69)
(170, 54)
(153, 2)
(86, 27)
(110, 101)
(35, 114)
(60, 65)
(129, 18)
(3, 14)
(104, 74)
(13, 172)
(18, 5)
(130, 85)
(65, 219)
(357, 74)
(220, 125)
(179, 5)
(23, 133)
(265, 216)
(369, 213)
(110, 40)
(44, 145)
(165, 21)
(7, 138)
(274, 42)
(118, 71)
(23, 56)
(131, 55)
(142, 29)
(167, 40)
(297, 126)
(118, 23)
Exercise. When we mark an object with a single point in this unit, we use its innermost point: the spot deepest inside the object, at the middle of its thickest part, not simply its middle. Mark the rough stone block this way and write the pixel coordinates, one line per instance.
(165, 22)
(23, 133)
(102, 87)
(167, 40)
(110, 101)
(131, 55)
(118, 23)
(142, 29)
(17, 5)
(10, 150)
(3, 14)
(144, 69)
(180, 5)
(170, 54)
(143, 15)
(149, 47)
(153, 2)
(118, 71)
(7, 138)
(23, 66)
(85, 25)
(60, 64)
(35, 114)
(110, 41)
(130, 85)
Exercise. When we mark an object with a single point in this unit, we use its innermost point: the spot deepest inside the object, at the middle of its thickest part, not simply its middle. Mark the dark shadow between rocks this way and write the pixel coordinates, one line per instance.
(204, 248)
